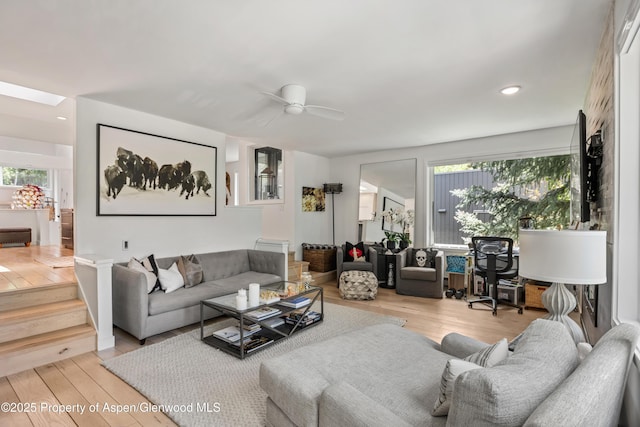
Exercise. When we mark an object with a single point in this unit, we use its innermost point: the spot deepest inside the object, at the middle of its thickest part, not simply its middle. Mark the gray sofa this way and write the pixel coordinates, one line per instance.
(144, 315)
(385, 375)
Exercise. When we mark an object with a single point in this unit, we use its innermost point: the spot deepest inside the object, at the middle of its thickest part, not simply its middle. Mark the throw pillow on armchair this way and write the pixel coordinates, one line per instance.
(424, 258)
(355, 252)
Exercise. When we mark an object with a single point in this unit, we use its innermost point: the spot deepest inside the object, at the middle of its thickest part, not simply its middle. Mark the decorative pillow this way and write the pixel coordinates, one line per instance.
(134, 264)
(354, 252)
(170, 279)
(490, 356)
(584, 348)
(190, 269)
(150, 264)
(454, 368)
(424, 257)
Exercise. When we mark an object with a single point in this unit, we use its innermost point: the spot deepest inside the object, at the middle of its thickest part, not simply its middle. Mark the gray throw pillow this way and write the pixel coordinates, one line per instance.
(190, 269)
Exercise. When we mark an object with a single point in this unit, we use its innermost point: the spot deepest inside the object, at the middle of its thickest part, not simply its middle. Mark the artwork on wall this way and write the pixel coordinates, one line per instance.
(144, 174)
(312, 199)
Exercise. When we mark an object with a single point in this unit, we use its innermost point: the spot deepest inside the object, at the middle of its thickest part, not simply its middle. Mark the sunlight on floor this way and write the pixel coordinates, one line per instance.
(3, 269)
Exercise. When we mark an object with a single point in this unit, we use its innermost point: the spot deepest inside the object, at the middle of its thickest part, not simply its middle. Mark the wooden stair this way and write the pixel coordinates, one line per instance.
(298, 267)
(41, 325)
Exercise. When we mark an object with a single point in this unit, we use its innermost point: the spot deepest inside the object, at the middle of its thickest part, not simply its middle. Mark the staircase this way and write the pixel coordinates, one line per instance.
(297, 267)
(41, 325)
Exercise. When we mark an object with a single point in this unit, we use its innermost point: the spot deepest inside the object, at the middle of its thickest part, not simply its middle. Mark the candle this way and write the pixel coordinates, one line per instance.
(254, 294)
(242, 292)
(241, 302)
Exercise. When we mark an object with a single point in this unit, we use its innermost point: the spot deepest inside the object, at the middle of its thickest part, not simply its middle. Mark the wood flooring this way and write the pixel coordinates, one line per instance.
(37, 395)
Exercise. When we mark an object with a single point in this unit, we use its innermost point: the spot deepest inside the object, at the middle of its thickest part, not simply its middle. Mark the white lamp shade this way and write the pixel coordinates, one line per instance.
(575, 257)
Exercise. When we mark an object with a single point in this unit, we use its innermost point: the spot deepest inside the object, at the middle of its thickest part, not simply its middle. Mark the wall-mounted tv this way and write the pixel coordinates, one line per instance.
(580, 172)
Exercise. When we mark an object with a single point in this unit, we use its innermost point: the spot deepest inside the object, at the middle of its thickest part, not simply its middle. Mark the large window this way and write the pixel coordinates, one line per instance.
(22, 176)
(489, 198)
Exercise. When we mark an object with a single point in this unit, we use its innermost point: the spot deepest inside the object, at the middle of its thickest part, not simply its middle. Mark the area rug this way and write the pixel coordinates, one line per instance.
(198, 385)
(56, 262)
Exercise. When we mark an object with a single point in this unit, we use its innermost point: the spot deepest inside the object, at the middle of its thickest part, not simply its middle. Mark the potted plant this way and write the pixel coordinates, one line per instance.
(405, 241)
(391, 237)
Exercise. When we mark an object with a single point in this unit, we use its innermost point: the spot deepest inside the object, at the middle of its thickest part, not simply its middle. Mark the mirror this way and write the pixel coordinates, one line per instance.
(385, 186)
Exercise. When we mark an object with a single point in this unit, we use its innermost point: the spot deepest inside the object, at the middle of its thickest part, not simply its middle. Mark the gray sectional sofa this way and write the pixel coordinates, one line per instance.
(385, 375)
(143, 315)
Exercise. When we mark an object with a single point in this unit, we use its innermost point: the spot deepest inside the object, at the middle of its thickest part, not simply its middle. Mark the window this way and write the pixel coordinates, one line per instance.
(268, 173)
(488, 198)
(22, 176)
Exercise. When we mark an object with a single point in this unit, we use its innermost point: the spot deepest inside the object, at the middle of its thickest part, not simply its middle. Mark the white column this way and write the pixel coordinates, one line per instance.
(94, 279)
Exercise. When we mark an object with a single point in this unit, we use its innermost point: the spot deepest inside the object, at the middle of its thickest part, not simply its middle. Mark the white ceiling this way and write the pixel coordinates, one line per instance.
(406, 73)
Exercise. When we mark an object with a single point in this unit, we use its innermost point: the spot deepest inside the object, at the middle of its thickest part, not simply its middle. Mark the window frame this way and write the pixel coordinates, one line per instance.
(430, 182)
(46, 188)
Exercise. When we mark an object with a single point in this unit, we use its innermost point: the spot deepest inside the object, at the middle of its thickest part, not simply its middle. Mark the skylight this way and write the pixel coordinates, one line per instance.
(28, 94)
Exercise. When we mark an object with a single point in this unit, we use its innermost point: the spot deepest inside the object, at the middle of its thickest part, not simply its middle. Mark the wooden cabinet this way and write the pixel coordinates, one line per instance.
(66, 233)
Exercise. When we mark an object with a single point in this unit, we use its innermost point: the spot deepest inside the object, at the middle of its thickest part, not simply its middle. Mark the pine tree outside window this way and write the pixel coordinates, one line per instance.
(488, 198)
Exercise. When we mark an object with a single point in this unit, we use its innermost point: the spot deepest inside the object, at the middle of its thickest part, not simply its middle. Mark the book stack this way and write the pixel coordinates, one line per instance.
(305, 319)
(274, 322)
(296, 302)
(263, 313)
(254, 327)
(254, 342)
(231, 334)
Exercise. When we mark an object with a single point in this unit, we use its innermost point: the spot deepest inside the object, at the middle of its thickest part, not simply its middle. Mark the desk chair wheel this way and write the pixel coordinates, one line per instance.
(519, 310)
(459, 293)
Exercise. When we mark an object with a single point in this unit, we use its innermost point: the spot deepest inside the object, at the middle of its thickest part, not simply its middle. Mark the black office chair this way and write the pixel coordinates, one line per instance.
(493, 258)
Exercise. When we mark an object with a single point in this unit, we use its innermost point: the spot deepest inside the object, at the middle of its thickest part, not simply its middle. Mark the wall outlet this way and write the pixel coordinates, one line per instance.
(125, 245)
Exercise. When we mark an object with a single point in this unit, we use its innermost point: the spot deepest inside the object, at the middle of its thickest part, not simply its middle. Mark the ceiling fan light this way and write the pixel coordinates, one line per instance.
(293, 109)
(510, 90)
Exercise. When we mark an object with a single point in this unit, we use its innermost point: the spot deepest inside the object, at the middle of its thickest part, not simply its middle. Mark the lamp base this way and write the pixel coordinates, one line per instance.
(560, 301)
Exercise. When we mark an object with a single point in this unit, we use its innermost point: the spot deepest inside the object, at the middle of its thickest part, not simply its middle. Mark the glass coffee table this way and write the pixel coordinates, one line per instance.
(284, 310)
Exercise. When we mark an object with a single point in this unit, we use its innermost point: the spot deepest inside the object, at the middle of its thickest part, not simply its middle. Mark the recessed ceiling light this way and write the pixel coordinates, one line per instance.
(510, 90)
(61, 118)
(29, 94)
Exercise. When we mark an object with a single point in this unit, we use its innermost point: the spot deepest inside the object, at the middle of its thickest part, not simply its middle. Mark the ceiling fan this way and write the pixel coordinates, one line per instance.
(293, 98)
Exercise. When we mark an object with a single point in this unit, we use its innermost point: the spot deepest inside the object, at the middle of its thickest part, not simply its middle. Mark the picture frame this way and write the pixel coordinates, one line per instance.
(142, 174)
(313, 199)
(388, 203)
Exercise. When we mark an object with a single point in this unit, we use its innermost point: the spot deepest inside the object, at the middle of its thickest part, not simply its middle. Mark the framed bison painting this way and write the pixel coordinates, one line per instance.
(144, 174)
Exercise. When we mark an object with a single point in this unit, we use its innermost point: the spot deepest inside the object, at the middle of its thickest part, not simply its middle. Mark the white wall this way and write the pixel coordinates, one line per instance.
(347, 169)
(313, 227)
(232, 228)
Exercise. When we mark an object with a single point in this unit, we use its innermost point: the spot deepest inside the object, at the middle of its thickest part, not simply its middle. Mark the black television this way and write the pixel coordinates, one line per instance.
(581, 172)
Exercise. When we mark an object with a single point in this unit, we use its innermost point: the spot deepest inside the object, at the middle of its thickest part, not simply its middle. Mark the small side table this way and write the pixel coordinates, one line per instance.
(388, 271)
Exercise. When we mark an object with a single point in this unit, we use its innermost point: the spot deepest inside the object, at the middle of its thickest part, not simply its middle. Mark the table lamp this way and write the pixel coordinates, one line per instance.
(565, 257)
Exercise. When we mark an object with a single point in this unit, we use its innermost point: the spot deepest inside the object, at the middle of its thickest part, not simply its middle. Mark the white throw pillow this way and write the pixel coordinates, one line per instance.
(584, 348)
(134, 264)
(454, 368)
(490, 356)
(171, 279)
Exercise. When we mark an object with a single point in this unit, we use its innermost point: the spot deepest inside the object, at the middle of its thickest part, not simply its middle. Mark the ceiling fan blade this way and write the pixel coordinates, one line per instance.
(266, 124)
(325, 112)
(275, 97)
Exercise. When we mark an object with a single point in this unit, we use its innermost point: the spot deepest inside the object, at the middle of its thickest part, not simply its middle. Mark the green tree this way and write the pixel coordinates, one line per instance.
(538, 187)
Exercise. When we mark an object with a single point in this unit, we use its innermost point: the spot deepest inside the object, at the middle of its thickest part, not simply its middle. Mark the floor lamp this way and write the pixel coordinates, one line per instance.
(572, 257)
(333, 189)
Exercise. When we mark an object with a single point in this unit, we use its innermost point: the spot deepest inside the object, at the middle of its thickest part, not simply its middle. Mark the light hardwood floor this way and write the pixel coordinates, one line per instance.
(82, 380)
